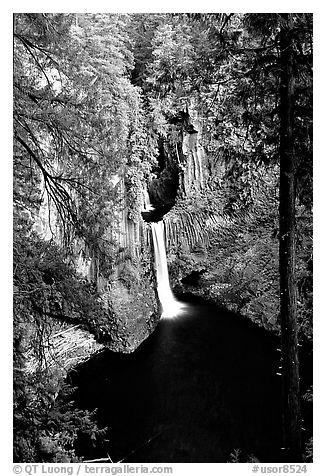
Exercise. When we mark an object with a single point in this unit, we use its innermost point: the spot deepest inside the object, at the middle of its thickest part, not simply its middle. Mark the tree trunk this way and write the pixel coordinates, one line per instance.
(288, 295)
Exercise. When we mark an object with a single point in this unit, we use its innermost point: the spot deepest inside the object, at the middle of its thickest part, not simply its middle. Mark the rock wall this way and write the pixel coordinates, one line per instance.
(128, 290)
(191, 155)
(194, 228)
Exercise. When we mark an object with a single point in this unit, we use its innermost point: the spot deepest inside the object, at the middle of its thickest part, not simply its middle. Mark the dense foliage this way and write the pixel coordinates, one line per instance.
(78, 126)
(102, 105)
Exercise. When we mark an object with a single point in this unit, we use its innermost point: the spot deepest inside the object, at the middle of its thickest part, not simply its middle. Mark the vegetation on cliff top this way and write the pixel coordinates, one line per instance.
(97, 98)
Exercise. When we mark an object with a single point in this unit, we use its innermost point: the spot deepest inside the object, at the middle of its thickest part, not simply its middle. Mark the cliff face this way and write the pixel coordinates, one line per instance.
(126, 282)
(224, 254)
(187, 233)
(131, 289)
(192, 158)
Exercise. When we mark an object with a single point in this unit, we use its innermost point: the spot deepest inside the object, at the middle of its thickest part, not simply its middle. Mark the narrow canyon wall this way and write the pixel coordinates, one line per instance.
(191, 155)
(195, 229)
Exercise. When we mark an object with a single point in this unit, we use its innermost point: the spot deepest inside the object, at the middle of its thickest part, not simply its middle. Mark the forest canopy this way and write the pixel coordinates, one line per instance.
(103, 105)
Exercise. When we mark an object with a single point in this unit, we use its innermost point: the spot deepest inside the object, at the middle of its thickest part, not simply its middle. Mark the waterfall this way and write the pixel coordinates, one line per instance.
(171, 306)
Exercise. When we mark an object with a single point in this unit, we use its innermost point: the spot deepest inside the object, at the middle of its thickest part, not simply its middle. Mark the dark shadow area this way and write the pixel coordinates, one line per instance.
(163, 188)
(193, 278)
(199, 387)
(157, 213)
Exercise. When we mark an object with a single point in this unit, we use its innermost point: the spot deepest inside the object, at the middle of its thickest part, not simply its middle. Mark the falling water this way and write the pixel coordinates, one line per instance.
(171, 306)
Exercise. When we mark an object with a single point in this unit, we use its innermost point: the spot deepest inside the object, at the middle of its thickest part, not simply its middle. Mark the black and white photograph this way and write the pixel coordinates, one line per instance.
(162, 241)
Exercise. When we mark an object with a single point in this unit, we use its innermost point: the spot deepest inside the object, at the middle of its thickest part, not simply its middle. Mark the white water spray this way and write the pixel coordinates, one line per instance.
(147, 204)
(171, 306)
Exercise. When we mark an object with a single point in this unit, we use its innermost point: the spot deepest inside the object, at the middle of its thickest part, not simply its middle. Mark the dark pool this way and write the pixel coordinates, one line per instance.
(199, 387)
